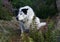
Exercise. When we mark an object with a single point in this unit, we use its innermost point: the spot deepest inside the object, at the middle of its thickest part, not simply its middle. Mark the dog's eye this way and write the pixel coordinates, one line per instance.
(20, 13)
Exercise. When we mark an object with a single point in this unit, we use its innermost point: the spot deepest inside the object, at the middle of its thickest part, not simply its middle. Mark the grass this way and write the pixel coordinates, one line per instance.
(42, 36)
(10, 35)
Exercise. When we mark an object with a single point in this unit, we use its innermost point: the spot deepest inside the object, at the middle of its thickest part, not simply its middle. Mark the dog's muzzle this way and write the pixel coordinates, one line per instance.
(17, 18)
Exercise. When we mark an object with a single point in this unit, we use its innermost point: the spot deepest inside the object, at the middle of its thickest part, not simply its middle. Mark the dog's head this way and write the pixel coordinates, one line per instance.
(25, 12)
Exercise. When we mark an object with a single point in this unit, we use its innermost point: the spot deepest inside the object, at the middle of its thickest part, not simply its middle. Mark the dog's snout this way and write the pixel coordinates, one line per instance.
(17, 18)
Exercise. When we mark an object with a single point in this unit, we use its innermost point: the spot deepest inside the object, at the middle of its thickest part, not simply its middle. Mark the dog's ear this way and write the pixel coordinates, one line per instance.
(24, 10)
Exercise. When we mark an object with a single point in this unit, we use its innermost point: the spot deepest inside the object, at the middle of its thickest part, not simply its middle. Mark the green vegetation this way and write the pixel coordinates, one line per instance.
(34, 35)
(42, 8)
(41, 36)
(4, 12)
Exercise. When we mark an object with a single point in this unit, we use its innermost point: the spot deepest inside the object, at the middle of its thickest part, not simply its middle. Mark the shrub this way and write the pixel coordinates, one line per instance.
(39, 36)
(5, 14)
(7, 34)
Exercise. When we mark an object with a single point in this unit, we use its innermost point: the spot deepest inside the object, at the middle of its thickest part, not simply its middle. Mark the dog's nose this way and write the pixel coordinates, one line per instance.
(17, 18)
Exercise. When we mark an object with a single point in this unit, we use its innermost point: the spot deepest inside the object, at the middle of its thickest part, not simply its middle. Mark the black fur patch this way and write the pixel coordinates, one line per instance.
(24, 10)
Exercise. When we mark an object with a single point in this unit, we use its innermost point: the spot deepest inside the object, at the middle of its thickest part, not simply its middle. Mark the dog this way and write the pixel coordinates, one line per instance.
(26, 15)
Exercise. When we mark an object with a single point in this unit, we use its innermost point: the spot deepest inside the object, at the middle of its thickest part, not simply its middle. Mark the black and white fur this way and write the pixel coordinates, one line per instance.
(26, 15)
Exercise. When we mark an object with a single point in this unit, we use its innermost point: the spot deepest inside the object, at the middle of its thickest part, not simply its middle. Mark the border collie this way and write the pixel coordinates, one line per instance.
(26, 15)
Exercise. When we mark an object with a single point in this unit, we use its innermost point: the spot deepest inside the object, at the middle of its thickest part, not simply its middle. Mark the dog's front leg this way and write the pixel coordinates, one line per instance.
(22, 27)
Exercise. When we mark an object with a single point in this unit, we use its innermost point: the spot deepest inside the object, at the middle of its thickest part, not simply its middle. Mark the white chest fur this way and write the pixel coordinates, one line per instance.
(27, 23)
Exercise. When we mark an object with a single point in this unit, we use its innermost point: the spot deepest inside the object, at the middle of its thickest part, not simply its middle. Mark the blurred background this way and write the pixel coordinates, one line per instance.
(47, 10)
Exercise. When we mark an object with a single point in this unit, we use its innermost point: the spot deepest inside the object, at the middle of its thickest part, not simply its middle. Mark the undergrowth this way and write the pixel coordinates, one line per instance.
(10, 35)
